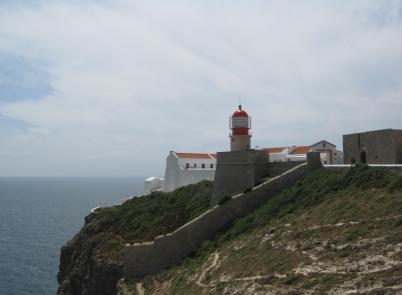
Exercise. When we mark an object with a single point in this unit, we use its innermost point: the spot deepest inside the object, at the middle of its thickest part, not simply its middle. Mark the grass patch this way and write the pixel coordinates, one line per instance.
(329, 214)
(331, 187)
(143, 218)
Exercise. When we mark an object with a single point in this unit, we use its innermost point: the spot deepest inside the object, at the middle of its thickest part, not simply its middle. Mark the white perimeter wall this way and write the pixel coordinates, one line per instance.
(151, 184)
(189, 176)
(277, 157)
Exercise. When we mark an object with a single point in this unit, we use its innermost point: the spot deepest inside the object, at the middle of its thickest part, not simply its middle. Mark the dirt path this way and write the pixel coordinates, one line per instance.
(140, 289)
(204, 272)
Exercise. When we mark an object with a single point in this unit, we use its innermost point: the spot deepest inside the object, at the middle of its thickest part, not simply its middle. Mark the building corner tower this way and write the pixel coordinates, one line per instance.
(240, 124)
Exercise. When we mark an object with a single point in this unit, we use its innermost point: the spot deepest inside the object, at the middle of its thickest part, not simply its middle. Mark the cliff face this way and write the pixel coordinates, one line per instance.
(91, 262)
(83, 271)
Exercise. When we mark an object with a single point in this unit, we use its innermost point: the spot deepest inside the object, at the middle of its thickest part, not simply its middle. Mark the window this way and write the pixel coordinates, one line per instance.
(324, 144)
(187, 165)
(195, 165)
(202, 166)
(211, 166)
(240, 122)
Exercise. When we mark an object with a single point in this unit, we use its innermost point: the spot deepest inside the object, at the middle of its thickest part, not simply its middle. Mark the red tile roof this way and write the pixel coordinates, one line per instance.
(274, 149)
(301, 150)
(194, 156)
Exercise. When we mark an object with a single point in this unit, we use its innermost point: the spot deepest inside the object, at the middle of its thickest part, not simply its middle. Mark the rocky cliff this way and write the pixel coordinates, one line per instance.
(335, 232)
(91, 262)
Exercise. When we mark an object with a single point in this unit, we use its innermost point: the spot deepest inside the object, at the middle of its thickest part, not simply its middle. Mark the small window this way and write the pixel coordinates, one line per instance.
(211, 166)
(334, 154)
(202, 166)
(187, 165)
(324, 144)
(195, 165)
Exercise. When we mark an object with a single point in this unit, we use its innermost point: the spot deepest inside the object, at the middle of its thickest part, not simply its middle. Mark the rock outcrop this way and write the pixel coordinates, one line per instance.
(83, 271)
(91, 262)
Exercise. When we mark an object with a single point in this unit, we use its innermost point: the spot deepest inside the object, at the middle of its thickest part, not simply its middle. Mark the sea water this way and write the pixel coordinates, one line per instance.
(38, 216)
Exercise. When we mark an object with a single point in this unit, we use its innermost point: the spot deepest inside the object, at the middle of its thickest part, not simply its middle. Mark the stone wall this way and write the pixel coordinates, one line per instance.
(380, 146)
(396, 168)
(398, 139)
(165, 251)
(277, 168)
(237, 171)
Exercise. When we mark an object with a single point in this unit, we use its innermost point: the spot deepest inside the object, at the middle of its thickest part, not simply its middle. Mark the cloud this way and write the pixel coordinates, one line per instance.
(132, 80)
(20, 79)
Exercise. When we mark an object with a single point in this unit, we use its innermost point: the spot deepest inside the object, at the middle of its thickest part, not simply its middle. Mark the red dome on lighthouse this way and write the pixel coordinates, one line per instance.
(240, 122)
(240, 113)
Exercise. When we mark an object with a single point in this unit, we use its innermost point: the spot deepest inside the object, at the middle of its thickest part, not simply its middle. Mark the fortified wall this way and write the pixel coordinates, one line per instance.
(240, 170)
(165, 251)
(394, 168)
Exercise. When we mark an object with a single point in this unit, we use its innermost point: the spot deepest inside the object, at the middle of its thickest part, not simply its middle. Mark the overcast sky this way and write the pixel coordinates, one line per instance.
(108, 88)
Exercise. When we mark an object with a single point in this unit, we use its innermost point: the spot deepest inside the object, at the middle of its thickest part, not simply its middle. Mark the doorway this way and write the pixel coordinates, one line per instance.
(363, 157)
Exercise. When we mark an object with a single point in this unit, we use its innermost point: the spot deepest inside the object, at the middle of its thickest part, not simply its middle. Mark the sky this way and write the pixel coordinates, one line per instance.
(108, 88)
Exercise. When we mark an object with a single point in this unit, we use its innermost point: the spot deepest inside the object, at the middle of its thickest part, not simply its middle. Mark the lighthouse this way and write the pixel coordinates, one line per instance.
(240, 124)
(242, 167)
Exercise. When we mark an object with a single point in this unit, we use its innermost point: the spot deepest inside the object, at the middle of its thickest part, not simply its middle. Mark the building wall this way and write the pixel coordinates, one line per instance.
(339, 157)
(150, 258)
(398, 144)
(171, 173)
(189, 176)
(278, 157)
(329, 151)
(380, 146)
(177, 175)
(330, 155)
(196, 163)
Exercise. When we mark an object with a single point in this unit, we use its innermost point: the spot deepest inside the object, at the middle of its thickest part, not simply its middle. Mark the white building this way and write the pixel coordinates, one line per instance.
(328, 151)
(187, 168)
(278, 154)
(152, 184)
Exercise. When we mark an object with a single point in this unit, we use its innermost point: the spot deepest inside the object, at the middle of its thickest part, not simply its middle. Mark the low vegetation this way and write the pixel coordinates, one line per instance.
(333, 232)
(143, 218)
(317, 187)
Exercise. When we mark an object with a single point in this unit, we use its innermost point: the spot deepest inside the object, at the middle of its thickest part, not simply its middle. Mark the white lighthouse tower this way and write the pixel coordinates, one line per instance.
(240, 124)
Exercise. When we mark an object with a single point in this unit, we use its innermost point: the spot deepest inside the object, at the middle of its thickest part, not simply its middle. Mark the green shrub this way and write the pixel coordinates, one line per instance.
(143, 218)
(224, 199)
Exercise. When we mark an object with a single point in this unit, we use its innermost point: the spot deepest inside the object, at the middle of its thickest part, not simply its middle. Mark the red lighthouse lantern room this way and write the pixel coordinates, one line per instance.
(240, 124)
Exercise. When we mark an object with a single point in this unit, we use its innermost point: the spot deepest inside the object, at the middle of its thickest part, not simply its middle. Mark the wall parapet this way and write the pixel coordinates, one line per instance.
(394, 168)
(165, 251)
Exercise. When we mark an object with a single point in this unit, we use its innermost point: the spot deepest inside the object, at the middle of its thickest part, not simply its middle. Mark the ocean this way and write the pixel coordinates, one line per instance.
(38, 216)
